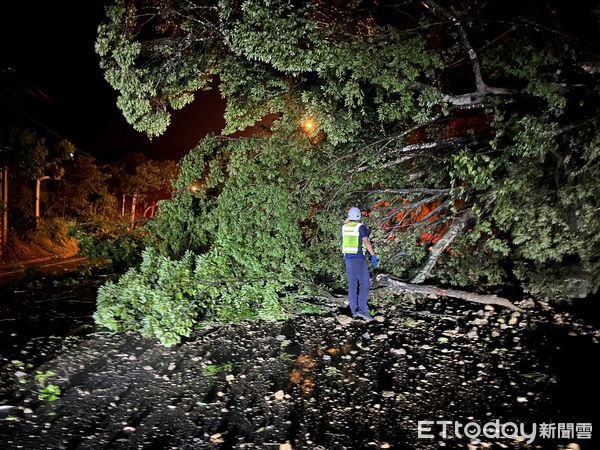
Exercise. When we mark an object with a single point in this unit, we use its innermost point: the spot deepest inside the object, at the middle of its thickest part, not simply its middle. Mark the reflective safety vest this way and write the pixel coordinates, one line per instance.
(350, 236)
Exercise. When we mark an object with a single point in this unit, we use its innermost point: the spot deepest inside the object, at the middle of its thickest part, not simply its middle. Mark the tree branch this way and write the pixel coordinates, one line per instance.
(436, 251)
(445, 205)
(475, 98)
(464, 40)
(386, 285)
(427, 191)
(411, 150)
(482, 89)
(406, 209)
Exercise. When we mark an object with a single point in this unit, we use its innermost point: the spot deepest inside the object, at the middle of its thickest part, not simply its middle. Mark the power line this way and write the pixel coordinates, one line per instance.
(38, 122)
(47, 128)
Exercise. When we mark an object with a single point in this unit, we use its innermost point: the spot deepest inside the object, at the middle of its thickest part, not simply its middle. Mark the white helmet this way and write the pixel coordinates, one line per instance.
(354, 214)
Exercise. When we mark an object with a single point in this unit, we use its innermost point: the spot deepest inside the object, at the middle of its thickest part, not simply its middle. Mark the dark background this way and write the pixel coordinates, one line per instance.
(50, 80)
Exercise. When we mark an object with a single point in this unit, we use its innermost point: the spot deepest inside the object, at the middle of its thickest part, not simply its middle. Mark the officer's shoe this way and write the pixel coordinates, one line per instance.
(363, 316)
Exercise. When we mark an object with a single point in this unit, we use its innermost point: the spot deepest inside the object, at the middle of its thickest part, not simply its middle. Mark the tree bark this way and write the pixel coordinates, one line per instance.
(386, 285)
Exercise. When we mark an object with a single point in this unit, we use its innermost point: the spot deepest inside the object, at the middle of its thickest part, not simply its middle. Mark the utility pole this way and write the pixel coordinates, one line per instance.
(38, 184)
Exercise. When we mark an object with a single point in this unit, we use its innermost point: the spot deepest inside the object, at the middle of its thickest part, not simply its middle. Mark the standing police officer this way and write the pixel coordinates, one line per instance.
(355, 238)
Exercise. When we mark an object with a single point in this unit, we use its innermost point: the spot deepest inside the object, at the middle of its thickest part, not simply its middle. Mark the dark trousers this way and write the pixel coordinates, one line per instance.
(357, 270)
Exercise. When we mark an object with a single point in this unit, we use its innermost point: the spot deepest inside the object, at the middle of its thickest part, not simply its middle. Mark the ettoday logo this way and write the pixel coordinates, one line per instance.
(507, 430)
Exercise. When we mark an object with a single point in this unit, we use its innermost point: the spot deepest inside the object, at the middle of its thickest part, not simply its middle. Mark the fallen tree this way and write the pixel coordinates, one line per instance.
(386, 285)
(365, 111)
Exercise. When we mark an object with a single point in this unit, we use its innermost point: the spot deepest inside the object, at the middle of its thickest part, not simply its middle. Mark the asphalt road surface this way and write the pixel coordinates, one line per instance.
(54, 267)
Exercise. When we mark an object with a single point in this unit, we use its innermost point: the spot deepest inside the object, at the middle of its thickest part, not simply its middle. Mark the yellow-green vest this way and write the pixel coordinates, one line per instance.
(350, 238)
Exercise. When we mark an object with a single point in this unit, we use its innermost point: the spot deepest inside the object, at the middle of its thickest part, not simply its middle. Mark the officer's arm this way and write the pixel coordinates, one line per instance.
(368, 246)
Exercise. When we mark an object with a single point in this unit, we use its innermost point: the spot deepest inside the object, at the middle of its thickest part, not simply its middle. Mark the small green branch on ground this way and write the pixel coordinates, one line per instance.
(215, 369)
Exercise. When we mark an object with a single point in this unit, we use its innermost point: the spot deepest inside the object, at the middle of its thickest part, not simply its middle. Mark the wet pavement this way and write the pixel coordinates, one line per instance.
(50, 266)
(310, 381)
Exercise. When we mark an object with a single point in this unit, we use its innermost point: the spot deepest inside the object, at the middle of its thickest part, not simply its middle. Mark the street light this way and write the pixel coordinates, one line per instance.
(309, 125)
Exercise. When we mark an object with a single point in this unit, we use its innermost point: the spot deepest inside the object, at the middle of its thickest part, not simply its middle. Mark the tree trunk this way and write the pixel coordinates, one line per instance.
(133, 205)
(387, 285)
(123, 206)
(149, 210)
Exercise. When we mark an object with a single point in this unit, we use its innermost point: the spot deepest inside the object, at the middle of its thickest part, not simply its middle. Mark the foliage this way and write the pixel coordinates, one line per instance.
(74, 186)
(254, 49)
(29, 153)
(160, 299)
(55, 229)
(87, 193)
(261, 213)
(50, 393)
(111, 242)
(310, 309)
(137, 92)
(29, 156)
(42, 377)
(410, 323)
(147, 176)
(332, 371)
(165, 298)
(83, 192)
(47, 392)
(215, 369)
(32, 157)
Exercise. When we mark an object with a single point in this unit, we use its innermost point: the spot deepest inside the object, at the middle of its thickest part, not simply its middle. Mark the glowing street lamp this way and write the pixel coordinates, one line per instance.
(309, 125)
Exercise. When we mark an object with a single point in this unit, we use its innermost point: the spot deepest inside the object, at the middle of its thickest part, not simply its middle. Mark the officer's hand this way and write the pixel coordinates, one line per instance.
(374, 261)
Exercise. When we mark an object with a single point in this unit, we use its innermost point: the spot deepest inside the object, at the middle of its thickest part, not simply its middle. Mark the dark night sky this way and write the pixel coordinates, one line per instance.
(49, 45)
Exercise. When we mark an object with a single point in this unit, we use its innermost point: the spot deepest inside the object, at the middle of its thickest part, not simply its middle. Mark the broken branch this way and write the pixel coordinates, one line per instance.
(436, 251)
(387, 285)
